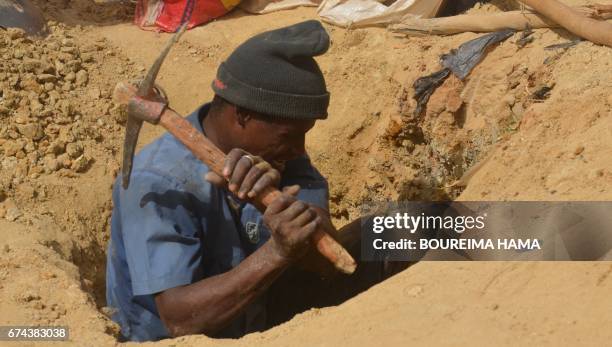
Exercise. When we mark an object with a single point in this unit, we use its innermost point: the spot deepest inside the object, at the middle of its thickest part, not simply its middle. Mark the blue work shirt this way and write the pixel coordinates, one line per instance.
(173, 228)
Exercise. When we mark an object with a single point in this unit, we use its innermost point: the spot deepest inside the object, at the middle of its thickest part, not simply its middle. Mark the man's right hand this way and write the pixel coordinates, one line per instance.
(291, 223)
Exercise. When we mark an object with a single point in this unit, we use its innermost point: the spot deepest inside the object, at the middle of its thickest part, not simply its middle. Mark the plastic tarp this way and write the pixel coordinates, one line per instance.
(266, 6)
(167, 15)
(358, 13)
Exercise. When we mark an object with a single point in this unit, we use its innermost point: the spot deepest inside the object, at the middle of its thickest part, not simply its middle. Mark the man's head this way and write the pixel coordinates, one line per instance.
(271, 90)
(277, 140)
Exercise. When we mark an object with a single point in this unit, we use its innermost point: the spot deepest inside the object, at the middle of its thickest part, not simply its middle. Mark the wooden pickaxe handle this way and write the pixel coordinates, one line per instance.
(214, 158)
(596, 31)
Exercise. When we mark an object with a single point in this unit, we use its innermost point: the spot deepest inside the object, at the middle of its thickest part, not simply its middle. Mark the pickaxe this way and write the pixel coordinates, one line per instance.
(145, 104)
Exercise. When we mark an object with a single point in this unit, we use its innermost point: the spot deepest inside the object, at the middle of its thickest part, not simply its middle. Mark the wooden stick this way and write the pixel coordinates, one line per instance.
(599, 32)
(516, 20)
(214, 158)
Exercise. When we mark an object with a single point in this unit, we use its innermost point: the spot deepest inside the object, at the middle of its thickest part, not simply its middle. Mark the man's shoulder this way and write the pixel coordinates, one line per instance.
(168, 157)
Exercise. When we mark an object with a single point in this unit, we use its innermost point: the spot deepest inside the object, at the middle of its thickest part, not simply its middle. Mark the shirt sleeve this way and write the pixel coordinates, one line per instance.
(314, 187)
(161, 234)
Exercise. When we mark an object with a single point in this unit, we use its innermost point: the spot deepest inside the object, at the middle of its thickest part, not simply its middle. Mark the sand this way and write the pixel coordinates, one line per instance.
(55, 219)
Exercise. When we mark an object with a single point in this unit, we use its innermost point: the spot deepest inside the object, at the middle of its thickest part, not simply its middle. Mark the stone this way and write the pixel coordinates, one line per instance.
(12, 212)
(31, 65)
(36, 107)
(46, 78)
(15, 33)
(80, 164)
(509, 100)
(518, 110)
(64, 161)
(12, 147)
(74, 150)
(31, 131)
(69, 50)
(70, 77)
(82, 77)
(579, 150)
(51, 164)
(66, 42)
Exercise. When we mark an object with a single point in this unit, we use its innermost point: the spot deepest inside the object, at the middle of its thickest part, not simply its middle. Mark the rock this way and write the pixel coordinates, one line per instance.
(52, 46)
(51, 164)
(15, 33)
(74, 150)
(80, 164)
(64, 161)
(12, 213)
(509, 100)
(69, 50)
(59, 66)
(70, 77)
(29, 83)
(49, 86)
(18, 54)
(82, 77)
(12, 147)
(20, 155)
(518, 110)
(66, 42)
(579, 150)
(30, 147)
(47, 67)
(46, 78)
(31, 131)
(35, 106)
(31, 65)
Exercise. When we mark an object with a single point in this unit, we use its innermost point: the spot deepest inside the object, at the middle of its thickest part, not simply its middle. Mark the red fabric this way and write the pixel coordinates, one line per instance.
(174, 12)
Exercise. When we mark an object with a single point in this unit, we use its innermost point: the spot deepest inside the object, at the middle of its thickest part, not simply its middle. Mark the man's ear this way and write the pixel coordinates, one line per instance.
(242, 116)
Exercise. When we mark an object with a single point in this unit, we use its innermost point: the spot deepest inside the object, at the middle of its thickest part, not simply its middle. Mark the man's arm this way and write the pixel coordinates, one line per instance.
(210, 304)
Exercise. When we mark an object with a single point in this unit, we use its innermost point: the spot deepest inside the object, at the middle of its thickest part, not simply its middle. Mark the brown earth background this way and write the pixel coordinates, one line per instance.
(60, 147)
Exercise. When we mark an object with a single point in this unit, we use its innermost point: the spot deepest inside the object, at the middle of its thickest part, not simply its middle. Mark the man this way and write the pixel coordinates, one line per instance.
(187, 254)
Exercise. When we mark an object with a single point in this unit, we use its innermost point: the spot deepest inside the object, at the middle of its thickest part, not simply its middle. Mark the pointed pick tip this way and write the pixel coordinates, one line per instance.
(125, 181)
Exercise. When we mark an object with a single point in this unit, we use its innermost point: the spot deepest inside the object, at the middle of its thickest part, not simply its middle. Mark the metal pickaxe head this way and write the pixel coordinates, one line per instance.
(140, 110)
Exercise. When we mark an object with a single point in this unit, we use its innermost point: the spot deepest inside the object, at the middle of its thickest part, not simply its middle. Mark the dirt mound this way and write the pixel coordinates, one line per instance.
(60, 136)
(528, 123)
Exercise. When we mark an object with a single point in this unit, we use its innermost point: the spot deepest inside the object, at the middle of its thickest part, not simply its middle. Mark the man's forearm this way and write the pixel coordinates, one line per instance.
(210, 304)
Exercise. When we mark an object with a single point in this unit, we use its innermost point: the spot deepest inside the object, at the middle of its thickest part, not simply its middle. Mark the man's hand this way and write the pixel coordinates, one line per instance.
(291, 223)
(245, 175)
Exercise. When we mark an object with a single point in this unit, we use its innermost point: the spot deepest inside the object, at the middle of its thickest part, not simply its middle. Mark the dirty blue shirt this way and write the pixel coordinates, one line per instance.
(173, 228)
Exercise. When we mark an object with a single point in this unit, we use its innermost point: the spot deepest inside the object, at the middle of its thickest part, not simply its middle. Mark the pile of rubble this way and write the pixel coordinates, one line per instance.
(51, 115)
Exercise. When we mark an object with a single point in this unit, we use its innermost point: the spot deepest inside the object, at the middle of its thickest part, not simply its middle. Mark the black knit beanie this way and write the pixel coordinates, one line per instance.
(274, 73)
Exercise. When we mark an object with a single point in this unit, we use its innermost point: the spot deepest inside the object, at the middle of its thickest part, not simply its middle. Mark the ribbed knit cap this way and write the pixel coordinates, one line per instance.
(274, 73)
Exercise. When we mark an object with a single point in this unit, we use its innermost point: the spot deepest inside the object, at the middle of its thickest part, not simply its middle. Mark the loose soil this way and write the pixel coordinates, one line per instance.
(495, 136)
